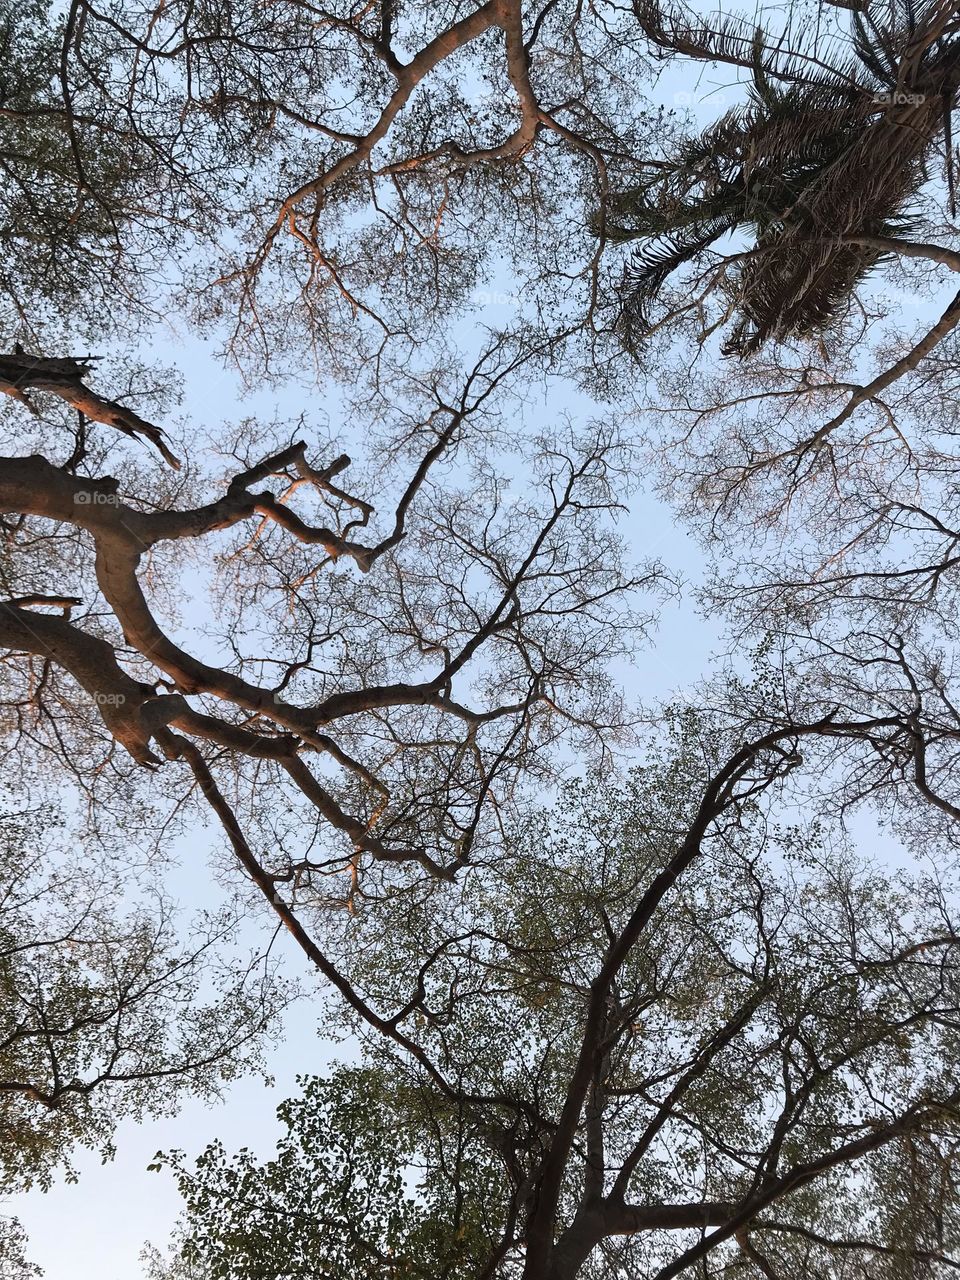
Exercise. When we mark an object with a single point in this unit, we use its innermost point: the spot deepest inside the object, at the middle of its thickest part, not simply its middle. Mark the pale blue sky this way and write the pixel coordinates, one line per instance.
(94, 1229)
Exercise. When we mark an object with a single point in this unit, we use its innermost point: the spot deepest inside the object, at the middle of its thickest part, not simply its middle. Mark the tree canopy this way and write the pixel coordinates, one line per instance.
(673, 1019)
(772, 1079)
(822, 164)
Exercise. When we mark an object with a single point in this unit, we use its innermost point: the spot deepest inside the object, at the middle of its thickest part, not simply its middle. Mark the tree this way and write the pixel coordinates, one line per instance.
(105, 1011)
(350, 176)
(356, 732)
(823, 460)
(13, 1262)
(672, 1034)
(820, 166)
(80, 197)
(393, 652)
(373, 688)
(337, 1199)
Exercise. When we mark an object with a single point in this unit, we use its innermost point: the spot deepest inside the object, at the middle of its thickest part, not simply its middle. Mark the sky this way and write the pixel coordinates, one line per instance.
(95, 1228)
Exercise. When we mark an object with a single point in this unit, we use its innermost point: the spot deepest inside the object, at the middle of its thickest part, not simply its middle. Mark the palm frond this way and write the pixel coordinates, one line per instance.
(733, 40)
(814, 160)
(875, 49)
(631, 215)
(651, 266)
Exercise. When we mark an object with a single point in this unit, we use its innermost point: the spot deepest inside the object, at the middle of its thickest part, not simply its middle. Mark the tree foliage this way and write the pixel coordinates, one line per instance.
(672, 1026)
(13, 1261)
(769, 1065)
(81, 198)
(346, 177)
(106, 1009)
(348, 1194)
(820, 165)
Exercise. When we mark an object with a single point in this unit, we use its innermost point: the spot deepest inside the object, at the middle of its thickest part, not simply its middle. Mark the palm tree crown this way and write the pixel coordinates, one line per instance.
(822, 153)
